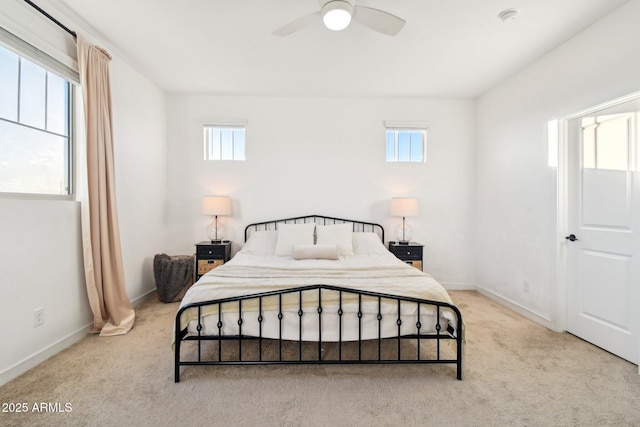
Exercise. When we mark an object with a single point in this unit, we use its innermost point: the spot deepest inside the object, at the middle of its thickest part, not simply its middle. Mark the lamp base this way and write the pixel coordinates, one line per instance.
(216, 242)
(215, 231)
(404, 233)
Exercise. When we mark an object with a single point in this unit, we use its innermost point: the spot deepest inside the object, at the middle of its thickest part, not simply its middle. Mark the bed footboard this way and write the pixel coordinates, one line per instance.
(318, 324)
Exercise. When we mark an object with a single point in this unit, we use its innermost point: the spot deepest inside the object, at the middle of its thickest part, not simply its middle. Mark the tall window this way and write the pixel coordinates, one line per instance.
(224, 142)
(35, 141)
(406, 145)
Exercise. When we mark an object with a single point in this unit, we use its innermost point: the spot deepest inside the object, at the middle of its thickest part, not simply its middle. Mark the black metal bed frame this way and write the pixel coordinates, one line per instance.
(440, 336)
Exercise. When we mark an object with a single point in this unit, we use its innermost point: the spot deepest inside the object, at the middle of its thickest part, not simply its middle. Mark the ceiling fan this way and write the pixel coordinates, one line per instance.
(337, 15)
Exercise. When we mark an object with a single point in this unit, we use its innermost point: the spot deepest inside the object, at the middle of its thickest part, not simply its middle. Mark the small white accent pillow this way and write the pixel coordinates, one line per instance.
(314, 252)
(336, 234)
(293, 234)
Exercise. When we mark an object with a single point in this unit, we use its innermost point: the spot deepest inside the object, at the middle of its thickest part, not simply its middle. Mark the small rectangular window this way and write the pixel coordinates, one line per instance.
(224, 142)
(406, 145)
(35, 137)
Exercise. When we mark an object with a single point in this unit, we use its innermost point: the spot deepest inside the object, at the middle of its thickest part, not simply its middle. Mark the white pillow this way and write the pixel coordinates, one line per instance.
(293, 234)
(261, 242)
(336, 234)
(314, 252)
(367, 243)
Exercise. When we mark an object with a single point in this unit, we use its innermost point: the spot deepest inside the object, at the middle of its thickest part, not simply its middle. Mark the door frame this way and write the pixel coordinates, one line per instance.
(559, 320)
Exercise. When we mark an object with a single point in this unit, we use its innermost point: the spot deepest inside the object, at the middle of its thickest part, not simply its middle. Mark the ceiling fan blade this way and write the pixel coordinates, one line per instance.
(378, 20)
(297, 24)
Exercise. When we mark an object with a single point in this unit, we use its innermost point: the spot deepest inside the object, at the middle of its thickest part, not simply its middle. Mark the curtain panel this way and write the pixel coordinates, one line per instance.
(104, 272)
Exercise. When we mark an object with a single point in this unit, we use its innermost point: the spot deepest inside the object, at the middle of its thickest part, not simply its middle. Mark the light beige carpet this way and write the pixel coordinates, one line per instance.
(516, 373)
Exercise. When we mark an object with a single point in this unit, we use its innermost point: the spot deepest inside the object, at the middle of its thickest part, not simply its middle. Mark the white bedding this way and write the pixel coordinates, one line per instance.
(373, 270)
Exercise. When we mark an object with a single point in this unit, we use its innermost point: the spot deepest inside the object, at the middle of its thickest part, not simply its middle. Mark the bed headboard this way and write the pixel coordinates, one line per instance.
(358, 226)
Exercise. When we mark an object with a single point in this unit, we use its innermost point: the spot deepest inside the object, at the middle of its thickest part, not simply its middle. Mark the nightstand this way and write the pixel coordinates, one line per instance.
(410, 253)
(211, 255)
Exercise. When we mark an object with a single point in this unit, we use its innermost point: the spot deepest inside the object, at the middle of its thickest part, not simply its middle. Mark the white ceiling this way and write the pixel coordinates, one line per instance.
(448, 48)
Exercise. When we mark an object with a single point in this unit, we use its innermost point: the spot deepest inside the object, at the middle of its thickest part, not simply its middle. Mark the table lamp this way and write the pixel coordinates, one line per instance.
(216, 206)
(404, 207)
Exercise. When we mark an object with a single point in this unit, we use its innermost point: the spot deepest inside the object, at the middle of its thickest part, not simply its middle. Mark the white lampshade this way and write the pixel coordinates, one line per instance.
(404, 206)
(216, 205)
(336, 15)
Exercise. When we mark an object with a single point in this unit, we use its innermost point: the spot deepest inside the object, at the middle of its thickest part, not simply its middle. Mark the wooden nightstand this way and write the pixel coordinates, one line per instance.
(410, 253)
(211, 255)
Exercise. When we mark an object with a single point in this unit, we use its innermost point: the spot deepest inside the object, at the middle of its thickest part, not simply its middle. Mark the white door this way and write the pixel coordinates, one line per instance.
(603, 299)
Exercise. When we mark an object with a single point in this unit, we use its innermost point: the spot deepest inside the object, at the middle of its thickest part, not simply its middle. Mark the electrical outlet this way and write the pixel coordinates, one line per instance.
(525, 286)
(38, 317)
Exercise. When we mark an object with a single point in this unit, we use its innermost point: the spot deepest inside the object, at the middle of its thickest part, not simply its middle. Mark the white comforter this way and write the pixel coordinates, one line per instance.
(382, 272)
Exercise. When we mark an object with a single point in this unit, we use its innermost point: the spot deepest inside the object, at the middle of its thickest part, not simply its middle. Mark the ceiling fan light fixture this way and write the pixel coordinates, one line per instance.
(336, 14)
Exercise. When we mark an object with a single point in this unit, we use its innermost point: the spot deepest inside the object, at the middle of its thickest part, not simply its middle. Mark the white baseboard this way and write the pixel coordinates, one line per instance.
(144, 297)
(533, 316)
(42, 355)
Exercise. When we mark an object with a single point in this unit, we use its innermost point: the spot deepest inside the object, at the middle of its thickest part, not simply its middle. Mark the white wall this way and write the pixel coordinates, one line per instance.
(40, 254)
(326, 156)
(139, 119)
(40, 266)
(516, 189)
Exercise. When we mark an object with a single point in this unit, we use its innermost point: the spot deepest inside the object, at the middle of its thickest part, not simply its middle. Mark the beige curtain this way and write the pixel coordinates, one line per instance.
(104, 274)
